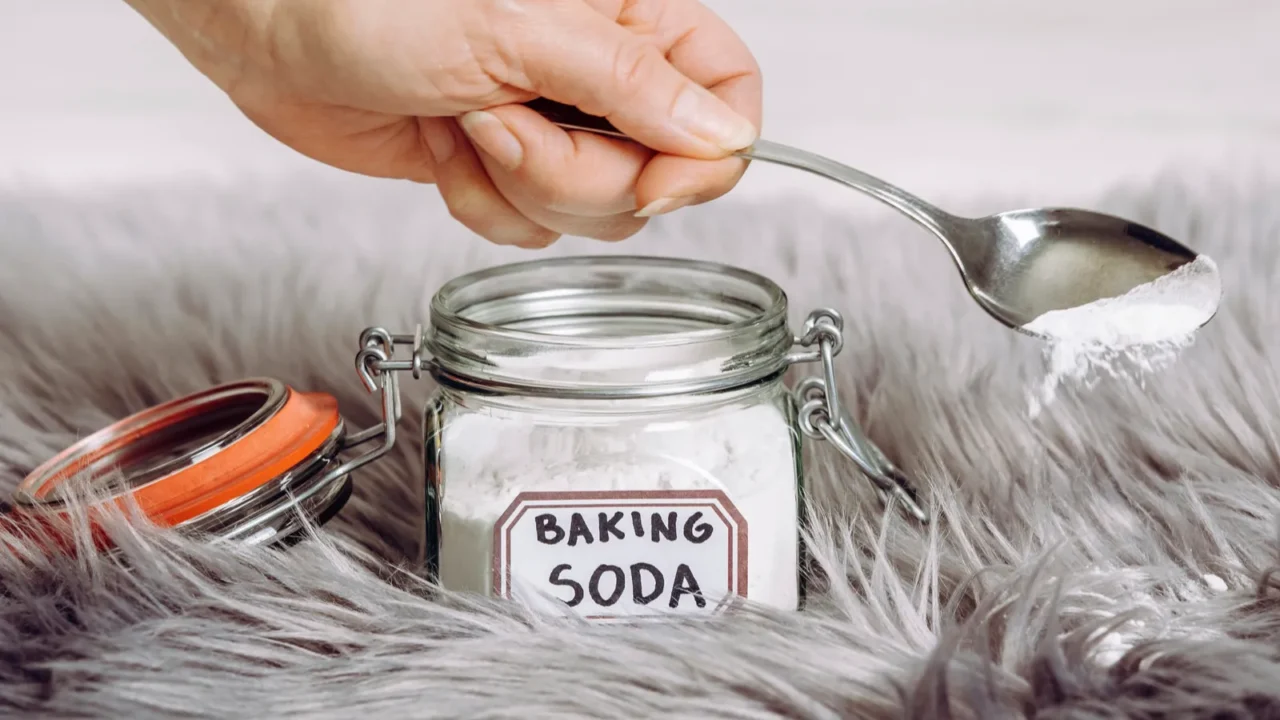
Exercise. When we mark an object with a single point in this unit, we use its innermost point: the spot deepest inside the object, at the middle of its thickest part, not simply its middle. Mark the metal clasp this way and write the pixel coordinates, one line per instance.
(379, 372)
(822, 415)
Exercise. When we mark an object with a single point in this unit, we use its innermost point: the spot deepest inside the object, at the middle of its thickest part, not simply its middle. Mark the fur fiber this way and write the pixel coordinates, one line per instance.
(1109, 559)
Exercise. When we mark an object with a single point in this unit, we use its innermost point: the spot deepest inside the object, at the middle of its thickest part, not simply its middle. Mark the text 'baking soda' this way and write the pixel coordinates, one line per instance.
(622, 554)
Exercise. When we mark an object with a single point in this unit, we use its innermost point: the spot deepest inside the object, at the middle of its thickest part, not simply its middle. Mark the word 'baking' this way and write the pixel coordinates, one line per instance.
(611, 525)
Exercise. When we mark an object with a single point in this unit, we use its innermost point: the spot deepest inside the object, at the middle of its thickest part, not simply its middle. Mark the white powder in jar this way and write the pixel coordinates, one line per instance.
(490, 456)
(1140, 332)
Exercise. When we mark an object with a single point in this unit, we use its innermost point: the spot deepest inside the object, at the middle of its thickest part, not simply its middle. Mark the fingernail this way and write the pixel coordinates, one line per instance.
(488, 132)
(703, 114)
(663, 205)
(440, 142)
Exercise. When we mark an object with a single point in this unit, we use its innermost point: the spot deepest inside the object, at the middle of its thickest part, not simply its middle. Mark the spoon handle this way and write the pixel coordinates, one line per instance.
(571, 118)
(932, 218)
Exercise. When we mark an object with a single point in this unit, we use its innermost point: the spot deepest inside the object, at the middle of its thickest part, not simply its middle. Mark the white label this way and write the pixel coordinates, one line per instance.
(622, 554)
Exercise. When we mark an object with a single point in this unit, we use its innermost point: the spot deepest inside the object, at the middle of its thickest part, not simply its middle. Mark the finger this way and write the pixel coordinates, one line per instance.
(701, 45)
(470, 196)
(554, 183)
(572, 54)
(573, 183)
(670, 182)
(570, 173)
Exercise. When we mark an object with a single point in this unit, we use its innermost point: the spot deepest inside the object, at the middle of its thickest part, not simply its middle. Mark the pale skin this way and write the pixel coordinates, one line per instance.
(430, 91)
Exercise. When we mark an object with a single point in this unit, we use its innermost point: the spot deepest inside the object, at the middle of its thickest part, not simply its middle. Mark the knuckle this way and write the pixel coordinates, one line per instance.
(566, 177)
(546, 191)
(469, 207)
(548, 179)
(634, 65)
(490, 38)
(502, 34)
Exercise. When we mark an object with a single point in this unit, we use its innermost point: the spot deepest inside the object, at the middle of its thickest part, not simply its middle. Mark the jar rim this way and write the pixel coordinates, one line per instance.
(441, 312)
(514, 325)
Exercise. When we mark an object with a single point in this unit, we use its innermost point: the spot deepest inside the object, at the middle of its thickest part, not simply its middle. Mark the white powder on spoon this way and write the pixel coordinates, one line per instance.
(1140, 332)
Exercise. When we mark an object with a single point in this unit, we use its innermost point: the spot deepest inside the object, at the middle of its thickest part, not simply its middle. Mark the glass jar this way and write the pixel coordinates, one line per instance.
(610, 436)
(614, 435)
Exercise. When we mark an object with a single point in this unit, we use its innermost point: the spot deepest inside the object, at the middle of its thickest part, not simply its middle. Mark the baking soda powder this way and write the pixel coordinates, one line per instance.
(1139, 332)
(617, 520)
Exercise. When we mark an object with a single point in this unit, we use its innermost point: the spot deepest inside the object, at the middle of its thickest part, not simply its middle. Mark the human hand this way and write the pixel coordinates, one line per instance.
(430, 90)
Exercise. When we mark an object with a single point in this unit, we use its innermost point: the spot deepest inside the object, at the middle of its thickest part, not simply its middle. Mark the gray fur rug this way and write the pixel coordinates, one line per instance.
(1110, 558)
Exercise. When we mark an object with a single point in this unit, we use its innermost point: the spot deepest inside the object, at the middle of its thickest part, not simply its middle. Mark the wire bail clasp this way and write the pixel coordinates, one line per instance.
(822, 415)
(379, 372)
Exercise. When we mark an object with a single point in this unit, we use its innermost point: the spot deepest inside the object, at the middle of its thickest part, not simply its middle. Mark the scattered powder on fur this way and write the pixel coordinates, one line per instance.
(1140, 332)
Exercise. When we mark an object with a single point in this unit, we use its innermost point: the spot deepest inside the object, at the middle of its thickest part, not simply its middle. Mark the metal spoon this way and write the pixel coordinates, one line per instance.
(1018, 265)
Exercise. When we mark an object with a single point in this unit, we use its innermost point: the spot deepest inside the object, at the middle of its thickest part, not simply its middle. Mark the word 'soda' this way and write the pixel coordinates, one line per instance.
(647, 584)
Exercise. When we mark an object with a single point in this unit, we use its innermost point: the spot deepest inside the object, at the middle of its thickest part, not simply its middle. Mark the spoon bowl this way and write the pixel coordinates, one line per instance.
(1021, 264)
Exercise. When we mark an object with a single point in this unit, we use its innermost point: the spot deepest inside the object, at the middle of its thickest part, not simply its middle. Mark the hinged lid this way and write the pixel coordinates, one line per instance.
(232, 461)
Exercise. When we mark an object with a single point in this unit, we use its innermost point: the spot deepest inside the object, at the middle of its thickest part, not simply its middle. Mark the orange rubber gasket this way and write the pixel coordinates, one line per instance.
(304, 422)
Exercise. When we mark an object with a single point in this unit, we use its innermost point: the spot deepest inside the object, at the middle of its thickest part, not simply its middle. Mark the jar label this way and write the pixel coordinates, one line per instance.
(622, 554)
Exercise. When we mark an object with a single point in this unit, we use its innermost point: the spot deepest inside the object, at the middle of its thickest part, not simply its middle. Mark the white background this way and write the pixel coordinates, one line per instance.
(1054, 99)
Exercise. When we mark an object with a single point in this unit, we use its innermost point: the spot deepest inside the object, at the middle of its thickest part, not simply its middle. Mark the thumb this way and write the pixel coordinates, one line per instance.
(574, 55)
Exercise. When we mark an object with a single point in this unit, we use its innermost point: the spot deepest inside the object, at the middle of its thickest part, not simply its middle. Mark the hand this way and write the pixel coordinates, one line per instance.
(429, 90)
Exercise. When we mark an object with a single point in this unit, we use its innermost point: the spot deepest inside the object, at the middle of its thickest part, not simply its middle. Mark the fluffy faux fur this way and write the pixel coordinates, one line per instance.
(1110, 558)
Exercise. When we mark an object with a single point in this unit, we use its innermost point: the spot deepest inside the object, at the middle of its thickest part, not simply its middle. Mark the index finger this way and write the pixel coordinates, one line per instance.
(704, 48)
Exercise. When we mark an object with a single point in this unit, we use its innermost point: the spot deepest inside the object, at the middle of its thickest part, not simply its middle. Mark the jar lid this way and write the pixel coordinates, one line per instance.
(232, 462)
